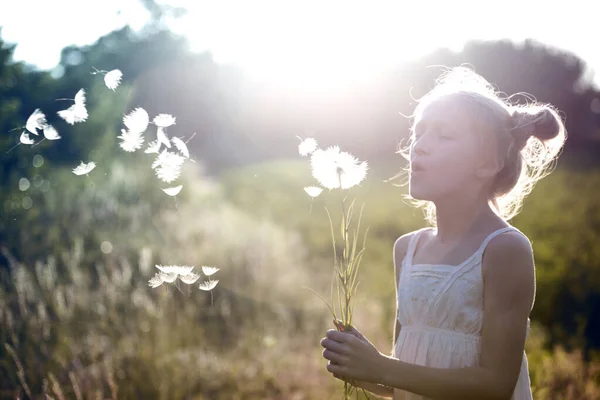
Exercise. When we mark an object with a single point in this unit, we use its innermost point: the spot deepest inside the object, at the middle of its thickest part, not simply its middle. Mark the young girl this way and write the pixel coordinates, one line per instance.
(466, 286)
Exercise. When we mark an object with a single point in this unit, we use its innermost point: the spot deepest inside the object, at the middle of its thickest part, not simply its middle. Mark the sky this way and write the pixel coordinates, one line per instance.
(310, 42)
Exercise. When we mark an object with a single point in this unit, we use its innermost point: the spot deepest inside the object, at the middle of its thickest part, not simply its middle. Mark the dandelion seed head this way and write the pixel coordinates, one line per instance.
(112, 79)
(307, 146)
(332, 165)
(168, 166)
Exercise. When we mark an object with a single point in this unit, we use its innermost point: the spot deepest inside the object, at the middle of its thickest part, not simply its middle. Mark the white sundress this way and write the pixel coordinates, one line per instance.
(440, 308)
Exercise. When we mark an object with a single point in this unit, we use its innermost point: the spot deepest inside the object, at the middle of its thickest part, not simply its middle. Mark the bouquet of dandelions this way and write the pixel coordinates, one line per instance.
(335, 169)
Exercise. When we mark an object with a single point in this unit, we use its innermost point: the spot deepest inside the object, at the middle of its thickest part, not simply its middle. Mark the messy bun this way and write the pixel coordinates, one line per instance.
(541, 122)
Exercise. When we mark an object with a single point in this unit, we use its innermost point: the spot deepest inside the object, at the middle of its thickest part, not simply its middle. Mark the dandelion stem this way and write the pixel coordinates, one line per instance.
(12, 148)
(38, 142)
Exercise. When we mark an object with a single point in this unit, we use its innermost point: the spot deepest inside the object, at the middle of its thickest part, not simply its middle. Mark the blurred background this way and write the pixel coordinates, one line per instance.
(77, 318)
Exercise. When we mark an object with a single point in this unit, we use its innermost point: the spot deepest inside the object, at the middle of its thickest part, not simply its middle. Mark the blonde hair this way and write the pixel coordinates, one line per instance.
(528, 138)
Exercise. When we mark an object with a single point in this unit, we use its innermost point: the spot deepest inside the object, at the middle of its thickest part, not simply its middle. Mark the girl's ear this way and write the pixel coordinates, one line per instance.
(489, 167)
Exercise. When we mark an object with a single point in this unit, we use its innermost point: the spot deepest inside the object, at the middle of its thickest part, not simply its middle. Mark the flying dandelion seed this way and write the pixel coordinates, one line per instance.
(112, 79)
(307, 146)
(162, 137)
(173, 191)
(208, 271)
(190, 278)
(175, 269)
(155, 281)
(168, 277)
(168, 166)
(164, 120)
(313, 191)
(137, 120)
(130, 140)
(37, 120)
(333, 168)
(25, 139)
(50, 133)
(181, 146)
(83, 168)
(153, 147)
(208, 286)
(77, 112)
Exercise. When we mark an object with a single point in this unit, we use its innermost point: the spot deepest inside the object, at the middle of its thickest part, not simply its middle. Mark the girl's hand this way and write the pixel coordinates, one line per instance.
(351, 356)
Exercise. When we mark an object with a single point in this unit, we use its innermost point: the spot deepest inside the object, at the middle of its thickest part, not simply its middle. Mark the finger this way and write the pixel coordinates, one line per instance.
(336, 370)
(334, 357)
(337, 336)
(333, 345)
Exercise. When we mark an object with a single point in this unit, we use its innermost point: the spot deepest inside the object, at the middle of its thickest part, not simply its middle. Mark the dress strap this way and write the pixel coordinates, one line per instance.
(493, 235)
(412, 246)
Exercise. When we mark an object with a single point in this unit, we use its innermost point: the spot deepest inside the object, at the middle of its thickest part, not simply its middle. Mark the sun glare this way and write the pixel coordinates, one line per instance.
(323, 46)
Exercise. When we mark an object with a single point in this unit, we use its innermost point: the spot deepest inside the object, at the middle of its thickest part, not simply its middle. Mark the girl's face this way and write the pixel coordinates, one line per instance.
(445, 152)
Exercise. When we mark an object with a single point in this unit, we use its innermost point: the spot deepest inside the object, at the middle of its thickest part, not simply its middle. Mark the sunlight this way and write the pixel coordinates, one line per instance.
(300, 47)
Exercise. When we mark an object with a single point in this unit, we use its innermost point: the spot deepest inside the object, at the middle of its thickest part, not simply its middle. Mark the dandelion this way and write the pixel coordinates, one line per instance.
(112, 79)
(77, 112)
(37, 120)
(137, 120)
(307, 146)
(131, 140)
(84, 169)
(173, 191)
(333, 168)
(208, 271)
(164, 120)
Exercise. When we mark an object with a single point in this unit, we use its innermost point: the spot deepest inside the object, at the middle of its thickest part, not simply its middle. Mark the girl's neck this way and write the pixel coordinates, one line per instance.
(455, 219)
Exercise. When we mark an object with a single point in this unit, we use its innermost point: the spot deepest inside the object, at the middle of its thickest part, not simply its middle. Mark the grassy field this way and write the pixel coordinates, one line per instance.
(83, 324)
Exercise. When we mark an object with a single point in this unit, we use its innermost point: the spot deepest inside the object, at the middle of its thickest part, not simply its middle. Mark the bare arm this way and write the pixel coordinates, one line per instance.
(509, 277)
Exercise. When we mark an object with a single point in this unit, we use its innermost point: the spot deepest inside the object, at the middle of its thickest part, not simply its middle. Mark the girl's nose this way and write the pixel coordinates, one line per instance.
(420, 146)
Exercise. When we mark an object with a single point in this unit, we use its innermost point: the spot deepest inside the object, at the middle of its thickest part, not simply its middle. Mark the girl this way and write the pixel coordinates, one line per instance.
(464, 287)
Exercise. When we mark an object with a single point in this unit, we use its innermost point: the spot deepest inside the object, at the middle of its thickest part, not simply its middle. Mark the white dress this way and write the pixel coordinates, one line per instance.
(440, 308)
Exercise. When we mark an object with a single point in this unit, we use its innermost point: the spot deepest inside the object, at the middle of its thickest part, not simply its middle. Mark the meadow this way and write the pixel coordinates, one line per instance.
(82, 323)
